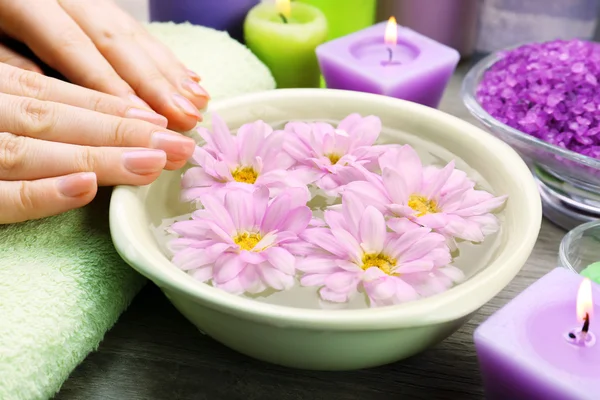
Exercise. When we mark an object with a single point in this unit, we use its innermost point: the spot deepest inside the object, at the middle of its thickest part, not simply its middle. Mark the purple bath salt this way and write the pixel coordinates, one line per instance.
(550, 91)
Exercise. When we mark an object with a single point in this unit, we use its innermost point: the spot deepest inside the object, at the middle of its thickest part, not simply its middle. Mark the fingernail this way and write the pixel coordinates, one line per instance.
(77, 184)
(177, 147)
(185, 106)
(144, 162)
(195, 89)
(138, 102)
(147, 115)
(193, 75)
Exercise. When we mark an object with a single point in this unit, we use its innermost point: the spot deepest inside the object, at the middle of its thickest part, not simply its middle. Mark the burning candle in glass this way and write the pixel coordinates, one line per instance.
(389, 60)
(542, 345)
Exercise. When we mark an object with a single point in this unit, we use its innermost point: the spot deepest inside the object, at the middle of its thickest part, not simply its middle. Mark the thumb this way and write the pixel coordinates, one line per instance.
(25, 200)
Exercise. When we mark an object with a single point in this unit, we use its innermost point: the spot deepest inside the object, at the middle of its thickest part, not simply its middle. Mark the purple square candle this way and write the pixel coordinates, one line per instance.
(527, 350)
(415, 68)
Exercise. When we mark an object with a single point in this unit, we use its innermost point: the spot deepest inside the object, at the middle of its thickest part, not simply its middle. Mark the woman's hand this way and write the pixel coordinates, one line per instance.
(95, 44)
(59, 141)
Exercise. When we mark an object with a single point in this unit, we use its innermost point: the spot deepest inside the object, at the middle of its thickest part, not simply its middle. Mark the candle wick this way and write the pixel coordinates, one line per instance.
(283, 18)
(390, 54)
(586, 327)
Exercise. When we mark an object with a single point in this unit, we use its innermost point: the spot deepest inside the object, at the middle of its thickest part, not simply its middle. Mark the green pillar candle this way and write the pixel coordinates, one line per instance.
(592, 272)
(284, 38)
(347, 16)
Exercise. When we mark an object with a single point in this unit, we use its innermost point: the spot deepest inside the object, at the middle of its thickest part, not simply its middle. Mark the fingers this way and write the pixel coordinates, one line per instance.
(165, 85)
(29, 159)
(62, 44)
(18, 82)
(10, 57)
(63, 123)
(22, 200)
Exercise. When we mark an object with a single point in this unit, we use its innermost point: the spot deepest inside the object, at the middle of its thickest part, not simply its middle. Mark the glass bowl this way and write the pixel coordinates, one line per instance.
(580, 247)
(569, 182)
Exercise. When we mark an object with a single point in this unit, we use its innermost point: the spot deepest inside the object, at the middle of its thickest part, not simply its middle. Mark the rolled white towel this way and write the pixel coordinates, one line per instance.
(227, 67)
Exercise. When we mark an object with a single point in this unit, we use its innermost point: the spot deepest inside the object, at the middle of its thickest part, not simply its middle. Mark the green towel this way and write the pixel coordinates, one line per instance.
(62, 284)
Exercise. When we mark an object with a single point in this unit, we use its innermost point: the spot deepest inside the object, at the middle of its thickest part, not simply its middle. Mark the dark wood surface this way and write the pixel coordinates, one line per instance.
(155, 353)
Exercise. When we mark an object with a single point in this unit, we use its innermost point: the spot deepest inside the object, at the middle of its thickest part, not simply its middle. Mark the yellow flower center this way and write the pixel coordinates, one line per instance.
(334, 158)
(247, 241)
(422, 205)
(381, 261)
(245, 175)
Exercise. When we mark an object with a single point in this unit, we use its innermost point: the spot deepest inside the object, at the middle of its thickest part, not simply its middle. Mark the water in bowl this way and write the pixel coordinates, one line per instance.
(469, 257)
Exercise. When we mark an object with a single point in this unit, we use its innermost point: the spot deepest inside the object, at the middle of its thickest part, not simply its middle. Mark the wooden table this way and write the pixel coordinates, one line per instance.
(155, 353)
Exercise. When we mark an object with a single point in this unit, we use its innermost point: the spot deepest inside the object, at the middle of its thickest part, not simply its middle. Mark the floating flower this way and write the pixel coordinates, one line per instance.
(357, 252)
(330, 155)
(253, 158)
(243, 241)
(443, 199)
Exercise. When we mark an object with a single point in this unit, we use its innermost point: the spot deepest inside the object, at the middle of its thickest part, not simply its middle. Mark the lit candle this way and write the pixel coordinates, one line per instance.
(390, 60)
(284, 37)
(542, 344)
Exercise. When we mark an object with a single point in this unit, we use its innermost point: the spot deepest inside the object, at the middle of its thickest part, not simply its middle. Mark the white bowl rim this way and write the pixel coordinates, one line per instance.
(447, 306)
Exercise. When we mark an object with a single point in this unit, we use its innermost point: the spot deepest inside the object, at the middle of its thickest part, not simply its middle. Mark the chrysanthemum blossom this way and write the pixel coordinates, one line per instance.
(443, 199)
(358, 253)
(330, 155)
(252, 158)
(242, 241)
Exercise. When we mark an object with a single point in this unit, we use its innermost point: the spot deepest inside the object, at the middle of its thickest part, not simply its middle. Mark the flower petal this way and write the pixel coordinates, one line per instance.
(220, 139)
(197, 177)
(407, 163)
(399, 245)
(252, 257)
(372, 230)
(315, 265)
(275, 278)
(203, 274)
(233, 286)
(344, 281)
(282, 260)
(432, 188)
(219, 213)
(349, 243)
(227, 267)
(296, 220)
(323, 238)
(335, 297)
(251, 280)
(250, 138)
(313, 279)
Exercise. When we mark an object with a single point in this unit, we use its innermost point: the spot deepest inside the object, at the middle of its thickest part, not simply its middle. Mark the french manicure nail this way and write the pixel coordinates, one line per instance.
(195, 89)
(138, 102)
(177, 147)
(147, 115)
(185, 106)
(77, 184)
(144, 162)
(193, 75)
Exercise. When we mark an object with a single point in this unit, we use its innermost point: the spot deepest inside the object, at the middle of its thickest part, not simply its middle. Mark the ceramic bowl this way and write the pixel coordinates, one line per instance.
(569, 181)
(325, 339)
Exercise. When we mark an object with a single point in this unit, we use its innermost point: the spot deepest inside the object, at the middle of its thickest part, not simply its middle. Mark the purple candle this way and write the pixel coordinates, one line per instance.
(224, 15)
(542, 344)
(389, 60)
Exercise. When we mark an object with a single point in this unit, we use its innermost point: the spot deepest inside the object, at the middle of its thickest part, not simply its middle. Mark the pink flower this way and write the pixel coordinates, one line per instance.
(253, 158)
(243, 241)
(330, 155)
(357, 252)
(443, 199)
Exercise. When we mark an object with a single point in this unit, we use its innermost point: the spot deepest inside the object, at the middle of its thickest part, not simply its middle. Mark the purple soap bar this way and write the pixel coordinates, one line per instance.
(533, 349)
(416, 68)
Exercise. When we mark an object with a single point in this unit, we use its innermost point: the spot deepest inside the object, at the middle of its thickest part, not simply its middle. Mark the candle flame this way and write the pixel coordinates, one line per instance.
(585, 305)
(391, 32)
(284, 7)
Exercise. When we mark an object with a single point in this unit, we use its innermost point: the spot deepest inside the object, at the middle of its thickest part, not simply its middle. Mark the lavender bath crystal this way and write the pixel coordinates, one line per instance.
(549, 91)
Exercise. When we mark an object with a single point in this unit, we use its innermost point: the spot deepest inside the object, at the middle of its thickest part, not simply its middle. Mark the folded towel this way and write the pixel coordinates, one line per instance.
(62, 285)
